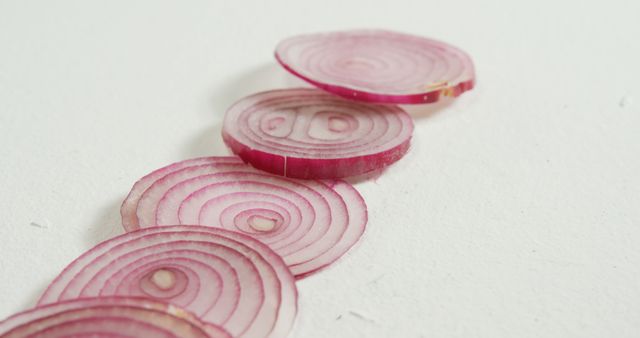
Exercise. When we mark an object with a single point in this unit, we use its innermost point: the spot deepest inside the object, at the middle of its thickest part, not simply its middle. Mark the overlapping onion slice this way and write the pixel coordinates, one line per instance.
(130, 204)
(378, 66)
(108, 317)
(307, 133)
(310, 223)
(223, 277)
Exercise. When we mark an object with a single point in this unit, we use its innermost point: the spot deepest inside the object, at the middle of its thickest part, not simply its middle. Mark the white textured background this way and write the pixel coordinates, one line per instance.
(515, 214)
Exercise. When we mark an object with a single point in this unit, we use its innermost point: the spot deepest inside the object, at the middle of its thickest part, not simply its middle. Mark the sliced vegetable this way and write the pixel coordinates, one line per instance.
(378, 66)
(307, 133)
(223, 277)
(108, 317)
(130, 204)
(309, 223)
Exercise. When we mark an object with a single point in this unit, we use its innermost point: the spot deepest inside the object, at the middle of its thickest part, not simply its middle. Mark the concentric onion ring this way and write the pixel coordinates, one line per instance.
(130, 204)
(378, 66)
(309, 223)
(108, 317)
(307, 133)
(223, 277)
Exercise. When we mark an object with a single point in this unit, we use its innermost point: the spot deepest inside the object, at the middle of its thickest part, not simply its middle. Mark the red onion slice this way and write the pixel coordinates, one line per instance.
(108, 317)
(378, 66)
(130, 204)
(309, 223)
(223, 277)
(307, 133)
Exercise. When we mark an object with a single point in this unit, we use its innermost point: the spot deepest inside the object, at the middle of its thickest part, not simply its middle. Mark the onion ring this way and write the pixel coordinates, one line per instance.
(310, 223)
(309, 134)
(223, 277)
(378, 66)
(108, 317)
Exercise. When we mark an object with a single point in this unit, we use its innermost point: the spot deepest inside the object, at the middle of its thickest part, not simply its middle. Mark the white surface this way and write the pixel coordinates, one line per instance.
(515, 214)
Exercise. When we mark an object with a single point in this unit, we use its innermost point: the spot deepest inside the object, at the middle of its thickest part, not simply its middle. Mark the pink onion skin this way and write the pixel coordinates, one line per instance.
(155, 313)
(429, 95)
(94, 273)
(276, 156)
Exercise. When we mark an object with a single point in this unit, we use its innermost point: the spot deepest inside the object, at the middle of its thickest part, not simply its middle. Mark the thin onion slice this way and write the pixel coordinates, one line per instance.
(309, 134)
(130, 204)
(378, 66)
(108, 317)
(223, 277)
(309, 223)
